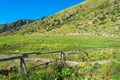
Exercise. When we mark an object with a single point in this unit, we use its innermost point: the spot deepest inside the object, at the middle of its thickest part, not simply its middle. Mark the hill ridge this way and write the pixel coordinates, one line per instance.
(90, 17)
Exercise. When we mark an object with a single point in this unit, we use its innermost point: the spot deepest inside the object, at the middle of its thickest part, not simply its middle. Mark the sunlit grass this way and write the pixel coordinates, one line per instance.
(36, 43)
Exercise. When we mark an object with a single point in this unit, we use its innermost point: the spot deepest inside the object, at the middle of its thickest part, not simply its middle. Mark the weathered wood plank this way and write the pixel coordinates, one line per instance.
(11, 58)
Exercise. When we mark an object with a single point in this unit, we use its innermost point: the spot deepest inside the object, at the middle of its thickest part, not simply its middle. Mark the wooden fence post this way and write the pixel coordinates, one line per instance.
(62, 60)
(24, 67)
(20, 66)
(51, 54)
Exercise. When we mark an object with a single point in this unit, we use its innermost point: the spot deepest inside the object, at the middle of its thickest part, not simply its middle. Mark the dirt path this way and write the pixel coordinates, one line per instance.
(68, 62)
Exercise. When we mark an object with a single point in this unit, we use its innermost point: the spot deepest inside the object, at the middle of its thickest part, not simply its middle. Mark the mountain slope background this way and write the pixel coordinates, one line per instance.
(89, 17)
(14, 26)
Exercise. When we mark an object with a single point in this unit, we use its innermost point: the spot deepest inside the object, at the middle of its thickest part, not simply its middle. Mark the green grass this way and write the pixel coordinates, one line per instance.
(98, 48)
(45, 43)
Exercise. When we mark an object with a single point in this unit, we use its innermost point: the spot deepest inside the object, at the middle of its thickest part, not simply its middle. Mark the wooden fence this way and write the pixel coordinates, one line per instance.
(22, 63)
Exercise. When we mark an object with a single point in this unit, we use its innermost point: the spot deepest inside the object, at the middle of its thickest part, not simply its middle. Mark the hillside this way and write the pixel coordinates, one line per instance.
(14, 26)
(92, 17)
(79, 43)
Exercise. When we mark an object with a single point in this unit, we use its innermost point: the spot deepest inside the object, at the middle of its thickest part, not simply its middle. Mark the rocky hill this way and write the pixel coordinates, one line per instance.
(94, 17)
(14, 26)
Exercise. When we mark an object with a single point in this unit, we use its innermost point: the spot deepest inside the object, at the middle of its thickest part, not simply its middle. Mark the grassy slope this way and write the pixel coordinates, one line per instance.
(91, 16)
(31, 43)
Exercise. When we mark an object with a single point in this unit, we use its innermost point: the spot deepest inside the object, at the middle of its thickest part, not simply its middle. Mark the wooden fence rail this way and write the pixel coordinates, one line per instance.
(26, 55)
(22, 63)
(11, 58)
(46, 63)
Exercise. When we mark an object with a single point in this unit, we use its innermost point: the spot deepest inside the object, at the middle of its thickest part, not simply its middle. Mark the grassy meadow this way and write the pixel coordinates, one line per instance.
(48, 42)
(100, 49)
